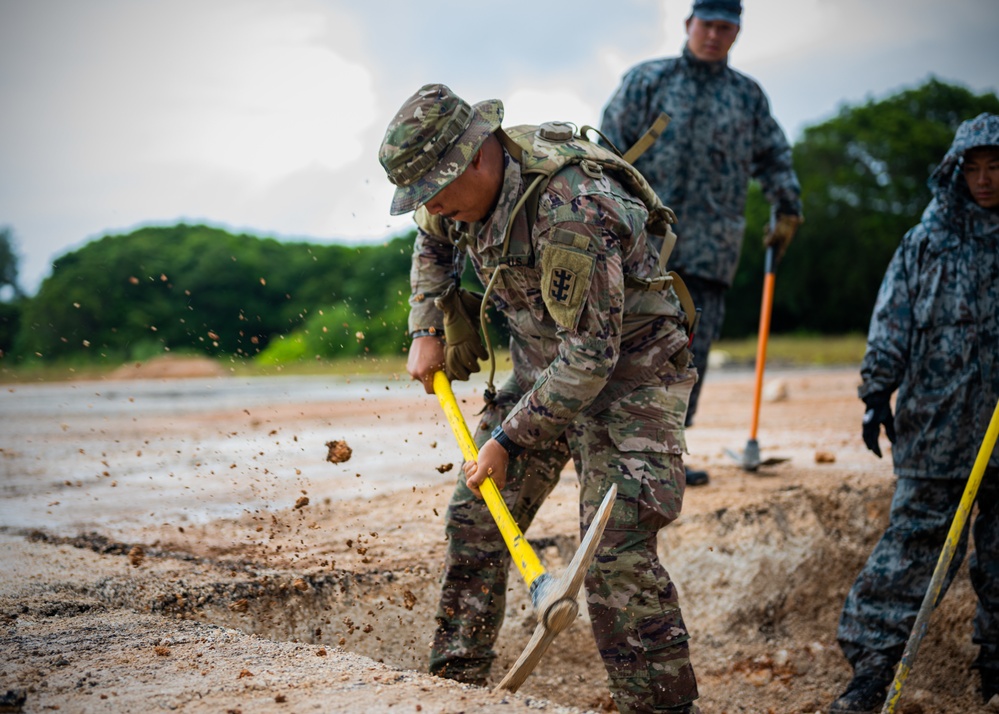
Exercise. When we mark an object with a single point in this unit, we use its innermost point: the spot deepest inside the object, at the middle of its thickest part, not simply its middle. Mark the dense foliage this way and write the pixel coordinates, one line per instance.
(11, 296)
(202, 289)
(199, 288)
(863, 176)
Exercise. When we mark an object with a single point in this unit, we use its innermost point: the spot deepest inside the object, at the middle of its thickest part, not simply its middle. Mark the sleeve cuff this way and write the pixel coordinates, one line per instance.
(514, 450)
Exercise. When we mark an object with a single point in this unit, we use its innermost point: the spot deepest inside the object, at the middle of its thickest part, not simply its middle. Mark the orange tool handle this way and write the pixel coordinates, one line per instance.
(766, 308)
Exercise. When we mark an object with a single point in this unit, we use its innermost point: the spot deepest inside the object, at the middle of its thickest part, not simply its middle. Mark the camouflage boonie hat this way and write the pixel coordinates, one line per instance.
(431, 141)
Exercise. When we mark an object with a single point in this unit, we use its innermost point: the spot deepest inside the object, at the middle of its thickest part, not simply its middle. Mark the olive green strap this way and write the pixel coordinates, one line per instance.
(647, 139)
(512, 147)
(686, 301)
(669, 242)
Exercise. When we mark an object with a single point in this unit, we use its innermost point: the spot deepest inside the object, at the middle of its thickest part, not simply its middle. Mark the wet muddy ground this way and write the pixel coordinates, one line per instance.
(186, 544)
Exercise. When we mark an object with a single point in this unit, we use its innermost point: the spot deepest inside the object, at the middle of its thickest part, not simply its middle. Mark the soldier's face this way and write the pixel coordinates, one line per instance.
(981, 171)
(472, 195)
(710, 40)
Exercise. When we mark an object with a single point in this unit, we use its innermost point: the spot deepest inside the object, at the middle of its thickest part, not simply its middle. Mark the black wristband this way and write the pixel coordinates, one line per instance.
(514, 450)
(429, 332)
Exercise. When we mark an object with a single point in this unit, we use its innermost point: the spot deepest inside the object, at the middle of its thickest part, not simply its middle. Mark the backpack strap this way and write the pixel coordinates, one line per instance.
(647, 139)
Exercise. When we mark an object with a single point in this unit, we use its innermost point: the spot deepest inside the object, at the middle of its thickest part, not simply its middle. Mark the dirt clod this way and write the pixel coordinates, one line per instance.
(136, 555)
(338, 452)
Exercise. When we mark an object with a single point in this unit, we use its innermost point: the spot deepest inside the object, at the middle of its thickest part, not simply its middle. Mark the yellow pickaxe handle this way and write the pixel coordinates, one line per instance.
(523, 555)
(943, 563)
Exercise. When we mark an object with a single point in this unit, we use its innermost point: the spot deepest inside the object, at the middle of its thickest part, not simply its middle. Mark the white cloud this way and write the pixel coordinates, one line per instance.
(266, 116)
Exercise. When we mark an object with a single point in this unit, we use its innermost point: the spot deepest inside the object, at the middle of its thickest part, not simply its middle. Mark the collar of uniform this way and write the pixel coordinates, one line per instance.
(702, 66)
(983, 222)
(491, 235)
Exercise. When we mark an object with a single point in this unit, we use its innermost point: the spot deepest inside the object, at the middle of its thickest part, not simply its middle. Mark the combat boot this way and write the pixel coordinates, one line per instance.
(865, 693)
(696, 477)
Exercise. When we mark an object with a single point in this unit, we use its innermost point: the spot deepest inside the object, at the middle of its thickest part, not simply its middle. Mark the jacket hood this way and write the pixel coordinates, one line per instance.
(983, 130)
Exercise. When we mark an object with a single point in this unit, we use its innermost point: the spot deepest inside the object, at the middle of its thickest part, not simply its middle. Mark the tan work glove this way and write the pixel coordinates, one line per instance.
(463, 346)
(780, 233)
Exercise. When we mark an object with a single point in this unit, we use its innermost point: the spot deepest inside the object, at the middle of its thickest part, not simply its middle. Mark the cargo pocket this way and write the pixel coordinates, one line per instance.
(648, 466)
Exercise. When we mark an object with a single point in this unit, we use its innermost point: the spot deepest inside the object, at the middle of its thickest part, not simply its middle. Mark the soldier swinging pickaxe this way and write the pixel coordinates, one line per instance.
(553, 598)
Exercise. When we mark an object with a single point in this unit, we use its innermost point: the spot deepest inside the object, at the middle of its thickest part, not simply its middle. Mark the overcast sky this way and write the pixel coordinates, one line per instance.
(265, 116)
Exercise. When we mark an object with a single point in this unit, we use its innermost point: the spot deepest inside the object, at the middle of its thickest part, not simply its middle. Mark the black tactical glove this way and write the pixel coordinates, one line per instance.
(780, 233)
(463, 346)
(878, 413)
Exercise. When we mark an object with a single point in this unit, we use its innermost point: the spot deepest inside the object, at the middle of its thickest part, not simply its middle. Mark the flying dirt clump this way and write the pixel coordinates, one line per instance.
(338, 452)
(136, 555)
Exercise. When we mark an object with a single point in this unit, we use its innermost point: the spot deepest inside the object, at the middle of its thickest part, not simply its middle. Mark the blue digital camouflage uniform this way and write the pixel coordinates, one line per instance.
(720, 136)
(934, 336)
(565, 396)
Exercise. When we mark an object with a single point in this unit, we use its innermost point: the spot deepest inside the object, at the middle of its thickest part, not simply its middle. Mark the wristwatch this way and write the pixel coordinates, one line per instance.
(514, 450)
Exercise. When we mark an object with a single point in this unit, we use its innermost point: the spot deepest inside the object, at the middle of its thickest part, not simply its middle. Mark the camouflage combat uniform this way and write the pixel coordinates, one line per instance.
(608, 382)
(721, 135)
(934, 336)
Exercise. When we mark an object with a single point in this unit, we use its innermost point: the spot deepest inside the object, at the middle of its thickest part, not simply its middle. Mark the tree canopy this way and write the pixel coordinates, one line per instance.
(863, 177)
(200, 288)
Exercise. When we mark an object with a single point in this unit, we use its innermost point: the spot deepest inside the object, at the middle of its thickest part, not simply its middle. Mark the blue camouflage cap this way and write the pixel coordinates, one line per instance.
(725, 10)
(431, 141)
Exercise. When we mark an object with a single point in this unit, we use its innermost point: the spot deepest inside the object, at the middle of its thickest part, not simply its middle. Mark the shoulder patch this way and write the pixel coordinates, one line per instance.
(566, 273)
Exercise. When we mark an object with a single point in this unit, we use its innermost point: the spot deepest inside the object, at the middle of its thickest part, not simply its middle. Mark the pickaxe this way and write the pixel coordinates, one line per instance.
(749, 459)
(553, 598)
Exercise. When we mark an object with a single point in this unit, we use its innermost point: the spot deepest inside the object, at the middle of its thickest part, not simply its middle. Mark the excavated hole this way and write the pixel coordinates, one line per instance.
(761, 588)
(385, 615)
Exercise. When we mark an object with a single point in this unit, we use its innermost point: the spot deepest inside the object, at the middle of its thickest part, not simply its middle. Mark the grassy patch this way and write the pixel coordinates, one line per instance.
(797, 350)
(786, 350)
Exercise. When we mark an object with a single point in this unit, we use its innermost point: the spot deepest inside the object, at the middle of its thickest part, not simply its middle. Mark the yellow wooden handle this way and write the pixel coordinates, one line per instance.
(523, 555)
(943, 563)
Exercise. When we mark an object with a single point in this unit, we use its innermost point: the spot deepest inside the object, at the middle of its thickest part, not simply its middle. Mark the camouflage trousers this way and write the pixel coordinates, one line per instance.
(636, 443)
(709, 297)
(882, 605)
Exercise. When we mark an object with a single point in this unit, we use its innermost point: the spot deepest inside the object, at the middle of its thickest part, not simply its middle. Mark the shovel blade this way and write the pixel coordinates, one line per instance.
(748, 459)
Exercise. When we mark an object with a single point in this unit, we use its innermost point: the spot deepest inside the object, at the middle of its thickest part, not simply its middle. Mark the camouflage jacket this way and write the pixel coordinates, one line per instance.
(934, 333)
(721, 135)
(564, 355)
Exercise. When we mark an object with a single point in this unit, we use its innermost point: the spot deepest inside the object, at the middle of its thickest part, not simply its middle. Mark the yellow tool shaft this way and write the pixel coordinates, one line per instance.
(523, 555)
(943, 563)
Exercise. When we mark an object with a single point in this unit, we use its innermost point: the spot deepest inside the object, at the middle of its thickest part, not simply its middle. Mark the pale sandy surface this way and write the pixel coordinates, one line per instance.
(159, 554)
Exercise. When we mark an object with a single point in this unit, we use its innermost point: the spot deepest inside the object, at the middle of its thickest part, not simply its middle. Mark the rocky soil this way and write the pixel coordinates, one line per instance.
(212, 557)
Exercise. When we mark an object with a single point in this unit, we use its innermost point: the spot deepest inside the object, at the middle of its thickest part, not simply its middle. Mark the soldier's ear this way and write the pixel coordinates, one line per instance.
(477, 159)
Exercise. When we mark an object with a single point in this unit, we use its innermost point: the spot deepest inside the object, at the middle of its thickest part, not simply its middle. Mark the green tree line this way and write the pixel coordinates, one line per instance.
(863, 177)
(196, 288)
